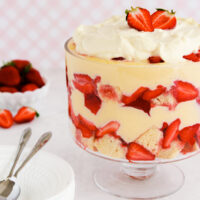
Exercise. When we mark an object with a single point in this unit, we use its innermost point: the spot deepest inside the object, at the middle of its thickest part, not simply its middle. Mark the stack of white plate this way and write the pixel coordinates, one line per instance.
(46, 177)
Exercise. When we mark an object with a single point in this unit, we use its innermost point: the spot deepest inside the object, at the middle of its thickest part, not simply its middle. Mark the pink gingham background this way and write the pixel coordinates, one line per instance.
(37, 29)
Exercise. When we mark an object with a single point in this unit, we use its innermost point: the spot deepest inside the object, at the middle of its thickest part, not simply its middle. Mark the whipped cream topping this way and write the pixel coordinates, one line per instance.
(114, 38)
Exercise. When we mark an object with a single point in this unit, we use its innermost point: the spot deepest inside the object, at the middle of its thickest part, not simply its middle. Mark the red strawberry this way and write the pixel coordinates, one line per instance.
(118, 58)
(9, 76)
(140, 19)
(195, 57)
(139, 92)
(21, 64)
(92, 102)
(8, 89)
(29, 87)
(67, 78)
(6, 119)
(109, 128)
(151, 94)
(84, 83)
(164, 127)
(107, 91)
(163, 19)
(187, 134)
(87, 128)
(171, 133)
(188, 148)
(184, 91)
(138, 152)
(33, 76)
(25, 114)
(155, 59)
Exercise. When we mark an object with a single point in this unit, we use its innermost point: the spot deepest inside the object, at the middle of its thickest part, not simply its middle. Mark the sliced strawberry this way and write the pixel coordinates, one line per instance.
(138, 93)
(184, 91)
(89, 125)
(107, 91)
(164, 127)
(109, 128)
(138, 152)
(155, 59)
(118, 58)
(9, 76)
(29, 87)
(140, 19)
(171, 133)
(92, 102)
(8, 89)
(97, 79)
(21, 65)
(151, 94)
(84, 83)
(187, 134)
(67, 78)
(195, 57)
(163, 19)
(188, 148)
(6, 118)
(33, 76)
(25, 114)
(198, 136)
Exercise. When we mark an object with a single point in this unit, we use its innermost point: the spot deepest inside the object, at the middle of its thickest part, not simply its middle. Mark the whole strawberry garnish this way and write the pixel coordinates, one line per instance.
(33, 76)
(6, 119)
(9, 76)
(29, 87)
(163, 19)
(138, 152)
(25, 114)
(21, 64)
(140, 19)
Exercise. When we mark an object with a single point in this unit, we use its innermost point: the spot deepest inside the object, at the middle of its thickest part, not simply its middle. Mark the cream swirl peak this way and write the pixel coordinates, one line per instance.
(114, 38)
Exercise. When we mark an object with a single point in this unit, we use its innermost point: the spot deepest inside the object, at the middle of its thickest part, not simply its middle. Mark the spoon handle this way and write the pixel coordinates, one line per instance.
(22, 143)
(40, 143)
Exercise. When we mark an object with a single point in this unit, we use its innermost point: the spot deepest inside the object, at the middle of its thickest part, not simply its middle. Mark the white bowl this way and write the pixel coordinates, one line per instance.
(46, 177)
(14, 101)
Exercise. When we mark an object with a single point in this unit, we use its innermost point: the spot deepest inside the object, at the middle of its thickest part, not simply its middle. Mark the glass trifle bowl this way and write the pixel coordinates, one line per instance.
(141, 116)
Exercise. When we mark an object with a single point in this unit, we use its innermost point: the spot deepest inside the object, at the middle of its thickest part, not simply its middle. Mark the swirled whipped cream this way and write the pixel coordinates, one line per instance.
(114, 38)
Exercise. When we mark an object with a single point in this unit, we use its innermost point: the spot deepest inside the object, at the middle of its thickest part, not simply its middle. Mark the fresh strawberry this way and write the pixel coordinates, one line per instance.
(198, 136)
(9, 76)
(8, 89)
(67, 78)
(155, 59)
(195, 57)
(163, 19)
(118, 58)
(164, 127)
(87, 128)
(109, 92)
(92, 102)
(188, 148)
(84, 83)
(184, 91)
(188, 133)
(29, 87)
(109, 128)
(151, 94)
(6, 119)
(21, 65)
(33, 76)
(171, 133)
(138, 152)
(140, 19)
(138, 93)
(25, 114)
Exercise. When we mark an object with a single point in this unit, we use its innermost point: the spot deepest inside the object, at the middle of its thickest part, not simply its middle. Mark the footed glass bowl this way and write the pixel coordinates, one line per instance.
(141, 116)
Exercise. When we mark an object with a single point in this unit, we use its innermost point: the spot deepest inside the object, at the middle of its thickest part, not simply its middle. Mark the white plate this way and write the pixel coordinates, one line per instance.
(46, 177)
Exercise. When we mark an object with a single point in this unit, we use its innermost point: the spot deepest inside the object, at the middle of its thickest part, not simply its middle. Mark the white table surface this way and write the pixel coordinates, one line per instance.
(53, 115)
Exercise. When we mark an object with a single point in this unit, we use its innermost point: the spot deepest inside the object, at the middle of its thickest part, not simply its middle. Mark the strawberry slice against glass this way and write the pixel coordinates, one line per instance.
(25, 114)
(195, 57)
(150, 94)
(155, 59)
(138, 152)
(6, 118)
(171, 133)
(163, 19)
(140, 19)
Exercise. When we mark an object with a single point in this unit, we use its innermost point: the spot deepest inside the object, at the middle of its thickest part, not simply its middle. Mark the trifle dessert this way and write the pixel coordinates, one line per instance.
(133, 85)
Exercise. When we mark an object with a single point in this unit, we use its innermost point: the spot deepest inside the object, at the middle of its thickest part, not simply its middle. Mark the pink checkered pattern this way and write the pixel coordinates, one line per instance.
(37, 29)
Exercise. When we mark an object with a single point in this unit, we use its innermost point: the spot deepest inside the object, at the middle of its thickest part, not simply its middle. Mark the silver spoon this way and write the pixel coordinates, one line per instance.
(23, 141)
(11, 190)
